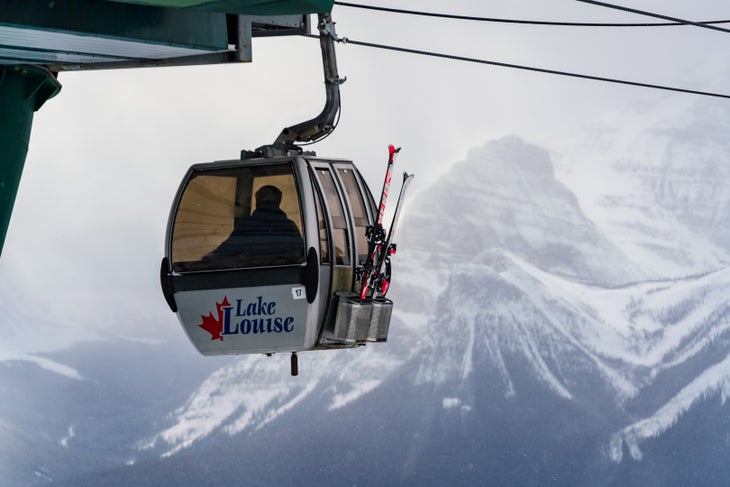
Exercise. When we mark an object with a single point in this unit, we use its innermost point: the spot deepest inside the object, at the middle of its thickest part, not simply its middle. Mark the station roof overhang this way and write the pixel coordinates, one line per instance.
(64, 35)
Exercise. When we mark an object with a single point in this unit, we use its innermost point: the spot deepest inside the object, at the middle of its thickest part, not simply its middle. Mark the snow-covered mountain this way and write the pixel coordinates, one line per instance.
(506, 286)
(545, 331)
(505, 196)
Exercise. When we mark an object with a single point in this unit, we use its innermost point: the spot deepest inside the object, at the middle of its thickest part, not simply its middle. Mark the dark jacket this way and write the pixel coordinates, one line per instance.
(267, 237)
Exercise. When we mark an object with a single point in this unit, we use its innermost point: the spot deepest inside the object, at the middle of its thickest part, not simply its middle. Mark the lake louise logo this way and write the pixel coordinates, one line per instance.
(257, 316)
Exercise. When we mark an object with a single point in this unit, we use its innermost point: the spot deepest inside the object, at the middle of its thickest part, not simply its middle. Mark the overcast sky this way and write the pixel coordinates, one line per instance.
(108, 153)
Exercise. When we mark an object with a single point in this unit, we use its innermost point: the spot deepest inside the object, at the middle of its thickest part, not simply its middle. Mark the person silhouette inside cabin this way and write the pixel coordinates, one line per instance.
(267, 237)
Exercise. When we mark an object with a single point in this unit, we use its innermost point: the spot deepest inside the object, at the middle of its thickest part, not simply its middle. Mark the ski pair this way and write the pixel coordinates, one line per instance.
(375, 271)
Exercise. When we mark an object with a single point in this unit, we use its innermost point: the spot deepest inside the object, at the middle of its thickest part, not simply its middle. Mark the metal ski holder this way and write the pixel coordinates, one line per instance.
(358, 322)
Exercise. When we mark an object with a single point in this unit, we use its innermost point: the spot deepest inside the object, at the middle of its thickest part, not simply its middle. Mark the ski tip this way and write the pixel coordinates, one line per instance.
(392, 150)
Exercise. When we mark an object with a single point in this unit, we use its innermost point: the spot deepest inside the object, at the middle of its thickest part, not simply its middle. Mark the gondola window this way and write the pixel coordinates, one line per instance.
(359, 213)
(237, 218)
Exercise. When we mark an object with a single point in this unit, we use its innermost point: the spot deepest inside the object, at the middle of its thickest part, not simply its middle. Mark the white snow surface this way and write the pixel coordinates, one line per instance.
(43, 362)
(256, 390)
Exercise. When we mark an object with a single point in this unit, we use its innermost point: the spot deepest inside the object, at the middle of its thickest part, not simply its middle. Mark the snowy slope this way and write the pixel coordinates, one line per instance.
(257, 390)
(583, 343)
(27, 334)
(713, 381)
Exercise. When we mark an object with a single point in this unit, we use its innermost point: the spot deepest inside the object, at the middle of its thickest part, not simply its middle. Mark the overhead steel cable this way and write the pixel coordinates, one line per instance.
(528, 22)
(528, 68)
(704, 25)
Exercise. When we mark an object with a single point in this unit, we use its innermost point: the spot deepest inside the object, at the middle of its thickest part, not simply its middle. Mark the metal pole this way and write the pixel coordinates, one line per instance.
(23, 90)
(321, 125)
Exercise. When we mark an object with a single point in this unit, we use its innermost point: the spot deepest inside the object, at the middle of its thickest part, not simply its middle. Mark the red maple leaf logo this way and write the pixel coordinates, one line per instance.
(214, 326)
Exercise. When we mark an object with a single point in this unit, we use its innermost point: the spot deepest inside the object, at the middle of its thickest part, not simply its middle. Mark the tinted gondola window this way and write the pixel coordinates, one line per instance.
(359, 213)
(238, 217)
(337, 216)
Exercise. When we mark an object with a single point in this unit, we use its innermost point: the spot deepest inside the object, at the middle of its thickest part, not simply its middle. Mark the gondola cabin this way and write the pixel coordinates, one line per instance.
(261, 256)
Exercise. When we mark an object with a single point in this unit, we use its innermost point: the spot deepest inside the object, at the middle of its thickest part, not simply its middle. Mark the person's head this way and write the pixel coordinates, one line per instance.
(268, 196)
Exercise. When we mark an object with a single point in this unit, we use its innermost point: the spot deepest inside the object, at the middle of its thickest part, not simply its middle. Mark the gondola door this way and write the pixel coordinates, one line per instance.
(236, 281)
(346, 210)
(361, 207)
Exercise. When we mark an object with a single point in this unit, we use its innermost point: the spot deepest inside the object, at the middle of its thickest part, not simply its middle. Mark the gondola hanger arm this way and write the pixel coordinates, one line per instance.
(324, 123)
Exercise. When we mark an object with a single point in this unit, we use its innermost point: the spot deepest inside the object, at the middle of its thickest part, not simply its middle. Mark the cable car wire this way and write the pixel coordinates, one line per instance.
(527, 22)
(655, 15)
(529, 68)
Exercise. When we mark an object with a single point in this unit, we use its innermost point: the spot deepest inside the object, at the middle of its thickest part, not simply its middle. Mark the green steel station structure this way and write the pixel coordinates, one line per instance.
(41, 38)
